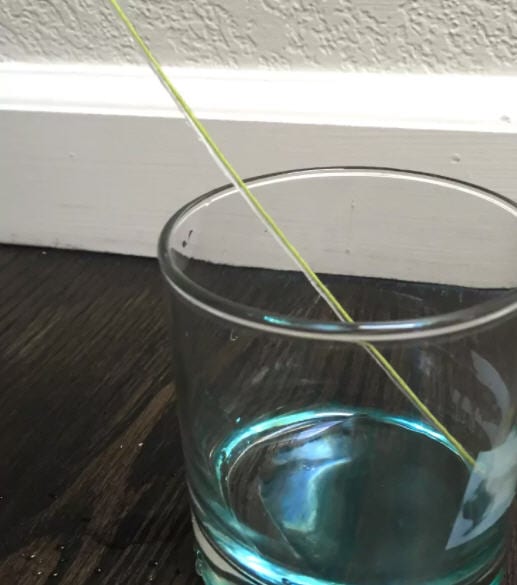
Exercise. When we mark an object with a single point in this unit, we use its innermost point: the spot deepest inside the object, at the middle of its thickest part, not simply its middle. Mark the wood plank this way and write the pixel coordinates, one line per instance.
(92, 484)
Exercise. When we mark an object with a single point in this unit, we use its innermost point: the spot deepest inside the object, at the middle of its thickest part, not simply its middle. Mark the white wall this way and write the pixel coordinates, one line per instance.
(374, 35)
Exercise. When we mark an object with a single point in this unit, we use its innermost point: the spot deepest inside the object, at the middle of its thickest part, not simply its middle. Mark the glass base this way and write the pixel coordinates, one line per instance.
(212, 567)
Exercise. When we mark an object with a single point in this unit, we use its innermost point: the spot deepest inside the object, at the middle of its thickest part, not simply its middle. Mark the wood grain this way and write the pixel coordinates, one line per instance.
(92, 487)
(91, 473)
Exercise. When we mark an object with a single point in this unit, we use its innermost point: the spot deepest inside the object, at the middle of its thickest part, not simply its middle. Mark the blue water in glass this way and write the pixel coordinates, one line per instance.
(340, 496)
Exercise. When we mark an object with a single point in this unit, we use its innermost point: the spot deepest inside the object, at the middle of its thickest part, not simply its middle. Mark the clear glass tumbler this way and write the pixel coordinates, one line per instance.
(377, 451)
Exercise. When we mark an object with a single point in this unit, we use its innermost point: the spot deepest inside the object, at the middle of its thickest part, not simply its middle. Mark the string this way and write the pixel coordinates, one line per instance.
(228, 170)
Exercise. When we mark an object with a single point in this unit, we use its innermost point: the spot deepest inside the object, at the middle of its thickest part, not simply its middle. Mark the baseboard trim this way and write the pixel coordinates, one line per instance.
(96, 157)
(461, 102)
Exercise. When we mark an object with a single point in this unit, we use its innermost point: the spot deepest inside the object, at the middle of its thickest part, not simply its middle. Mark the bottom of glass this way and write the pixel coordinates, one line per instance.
(336, 496)
(214, 569)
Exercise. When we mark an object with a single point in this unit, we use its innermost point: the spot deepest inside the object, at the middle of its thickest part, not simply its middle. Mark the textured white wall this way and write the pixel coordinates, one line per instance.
(374, 35)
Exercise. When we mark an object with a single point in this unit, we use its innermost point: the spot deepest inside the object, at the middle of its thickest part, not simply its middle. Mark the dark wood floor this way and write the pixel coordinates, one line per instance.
(91, 474)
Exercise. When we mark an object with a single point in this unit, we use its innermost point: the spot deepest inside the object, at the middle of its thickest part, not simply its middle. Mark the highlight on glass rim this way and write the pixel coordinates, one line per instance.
(368, 443)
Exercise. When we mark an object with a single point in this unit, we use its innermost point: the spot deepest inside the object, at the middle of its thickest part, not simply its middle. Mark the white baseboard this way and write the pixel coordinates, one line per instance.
(447, 102)
(95, 157)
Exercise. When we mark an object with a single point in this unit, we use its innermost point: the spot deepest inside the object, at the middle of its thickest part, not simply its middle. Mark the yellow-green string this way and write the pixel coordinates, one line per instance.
(279, 235)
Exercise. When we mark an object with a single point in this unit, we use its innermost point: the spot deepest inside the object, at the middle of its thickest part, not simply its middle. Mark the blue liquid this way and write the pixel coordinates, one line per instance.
(329, 497)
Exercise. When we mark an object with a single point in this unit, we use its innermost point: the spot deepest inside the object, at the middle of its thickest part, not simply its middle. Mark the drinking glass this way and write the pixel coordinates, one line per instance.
(380, 450)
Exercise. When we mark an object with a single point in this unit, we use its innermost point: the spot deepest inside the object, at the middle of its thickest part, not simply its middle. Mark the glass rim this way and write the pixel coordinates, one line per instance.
(361, 331)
